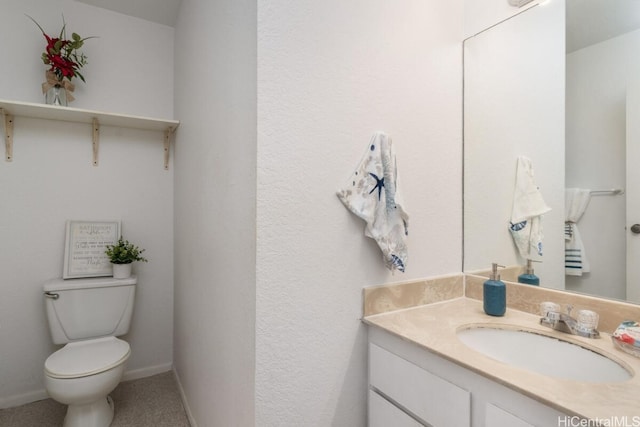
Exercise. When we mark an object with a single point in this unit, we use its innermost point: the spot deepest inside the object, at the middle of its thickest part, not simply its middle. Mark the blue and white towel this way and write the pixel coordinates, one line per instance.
(575, 257)
(372, 193)
(528, 207)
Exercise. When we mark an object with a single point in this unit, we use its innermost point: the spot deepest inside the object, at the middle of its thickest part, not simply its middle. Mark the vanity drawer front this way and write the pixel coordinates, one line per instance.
(383, 413)
(427, 396)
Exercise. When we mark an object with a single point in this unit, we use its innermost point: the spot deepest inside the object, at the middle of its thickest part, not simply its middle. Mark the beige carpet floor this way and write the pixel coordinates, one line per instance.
(153, 401)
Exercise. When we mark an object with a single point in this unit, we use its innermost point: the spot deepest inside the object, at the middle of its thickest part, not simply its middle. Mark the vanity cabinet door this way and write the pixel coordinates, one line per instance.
(495, 416)
(434, 400)
(437, 392)
(383, 413)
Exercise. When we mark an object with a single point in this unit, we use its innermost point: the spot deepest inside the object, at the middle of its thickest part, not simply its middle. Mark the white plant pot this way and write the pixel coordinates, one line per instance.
(122, 271)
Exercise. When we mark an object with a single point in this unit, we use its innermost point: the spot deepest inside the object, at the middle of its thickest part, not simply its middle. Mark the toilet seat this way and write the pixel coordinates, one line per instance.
(84, 358)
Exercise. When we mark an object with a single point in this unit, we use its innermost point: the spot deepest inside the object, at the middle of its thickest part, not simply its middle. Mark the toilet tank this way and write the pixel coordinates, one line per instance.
(79, 309)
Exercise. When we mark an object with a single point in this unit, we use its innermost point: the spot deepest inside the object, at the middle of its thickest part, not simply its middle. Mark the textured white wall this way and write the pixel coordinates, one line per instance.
(329, 75)
(52, 180)
(597, 79)
(215, 209)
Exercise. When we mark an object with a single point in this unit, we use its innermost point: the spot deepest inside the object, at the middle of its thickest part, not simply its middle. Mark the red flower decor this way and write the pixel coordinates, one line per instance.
(63, 55)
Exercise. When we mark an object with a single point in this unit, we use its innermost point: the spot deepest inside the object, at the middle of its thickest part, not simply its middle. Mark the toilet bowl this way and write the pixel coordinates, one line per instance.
(86, 315)
(82, 374)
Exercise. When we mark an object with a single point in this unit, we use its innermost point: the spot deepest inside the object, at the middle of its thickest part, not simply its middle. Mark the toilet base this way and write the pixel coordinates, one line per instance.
(95, 414)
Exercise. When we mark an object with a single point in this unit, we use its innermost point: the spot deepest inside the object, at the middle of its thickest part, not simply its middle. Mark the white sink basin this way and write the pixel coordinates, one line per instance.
(543, 354)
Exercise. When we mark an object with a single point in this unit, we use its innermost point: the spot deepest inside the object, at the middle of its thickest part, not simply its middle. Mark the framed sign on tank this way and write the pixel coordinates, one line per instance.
(84, 248)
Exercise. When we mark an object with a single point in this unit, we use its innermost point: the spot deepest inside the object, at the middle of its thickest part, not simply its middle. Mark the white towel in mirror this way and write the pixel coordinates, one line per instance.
(575, 257)
(526, 215)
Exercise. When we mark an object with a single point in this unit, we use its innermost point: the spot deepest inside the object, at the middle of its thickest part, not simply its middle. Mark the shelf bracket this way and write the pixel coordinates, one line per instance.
(96, 140)
(167, 146)
(8, 134)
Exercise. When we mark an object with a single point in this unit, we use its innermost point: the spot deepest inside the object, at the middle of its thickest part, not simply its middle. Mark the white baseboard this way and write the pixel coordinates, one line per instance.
(23, 399)
(146, 372)
(34, 396)
(187, 409)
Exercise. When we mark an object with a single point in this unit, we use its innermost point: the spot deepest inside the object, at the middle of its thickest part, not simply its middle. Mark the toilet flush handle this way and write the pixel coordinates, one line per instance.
(51, 295)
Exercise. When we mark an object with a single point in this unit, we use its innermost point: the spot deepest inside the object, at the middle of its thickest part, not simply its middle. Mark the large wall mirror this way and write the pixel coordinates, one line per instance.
(558, 84)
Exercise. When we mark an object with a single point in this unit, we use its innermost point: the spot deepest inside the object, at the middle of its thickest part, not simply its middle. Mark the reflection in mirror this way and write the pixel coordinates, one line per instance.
(515, 91)
(514, 106)
(601, 73)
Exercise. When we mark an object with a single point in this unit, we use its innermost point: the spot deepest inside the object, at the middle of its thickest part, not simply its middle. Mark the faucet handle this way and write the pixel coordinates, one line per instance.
(547, 307)
(587, 320)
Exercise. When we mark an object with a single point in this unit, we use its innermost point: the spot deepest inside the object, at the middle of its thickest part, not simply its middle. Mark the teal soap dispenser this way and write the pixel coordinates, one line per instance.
(528, 277)
(494, 294)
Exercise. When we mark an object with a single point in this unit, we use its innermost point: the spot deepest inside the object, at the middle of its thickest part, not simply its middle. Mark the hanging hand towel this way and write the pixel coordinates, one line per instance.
(575, 258)
(372, 193)
(528, 206)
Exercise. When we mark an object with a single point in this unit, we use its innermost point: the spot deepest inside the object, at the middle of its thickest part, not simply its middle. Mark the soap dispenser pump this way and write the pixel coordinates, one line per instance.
(528, 277)
(494, 293)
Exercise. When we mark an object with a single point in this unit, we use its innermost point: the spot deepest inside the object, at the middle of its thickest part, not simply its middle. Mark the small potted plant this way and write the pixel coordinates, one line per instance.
(122, 255)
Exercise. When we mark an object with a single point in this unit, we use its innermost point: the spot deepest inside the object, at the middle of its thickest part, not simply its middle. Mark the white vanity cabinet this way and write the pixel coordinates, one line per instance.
(410, 386)
(425, 396)
(383, 413)
(495, 416)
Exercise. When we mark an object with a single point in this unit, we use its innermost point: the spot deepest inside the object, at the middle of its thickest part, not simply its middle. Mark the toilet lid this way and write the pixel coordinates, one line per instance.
(84, 358)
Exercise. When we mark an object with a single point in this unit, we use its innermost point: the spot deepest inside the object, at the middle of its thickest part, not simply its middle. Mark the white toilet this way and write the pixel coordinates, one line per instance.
(87, 315)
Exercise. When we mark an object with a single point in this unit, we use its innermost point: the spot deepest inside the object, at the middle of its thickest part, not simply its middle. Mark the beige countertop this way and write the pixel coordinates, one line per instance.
(433, 327)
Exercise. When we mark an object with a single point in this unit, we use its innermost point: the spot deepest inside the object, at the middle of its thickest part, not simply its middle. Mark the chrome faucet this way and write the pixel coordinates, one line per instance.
(563, 322)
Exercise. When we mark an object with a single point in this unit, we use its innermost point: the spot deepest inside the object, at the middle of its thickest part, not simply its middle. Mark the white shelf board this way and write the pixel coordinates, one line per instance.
(70, 114)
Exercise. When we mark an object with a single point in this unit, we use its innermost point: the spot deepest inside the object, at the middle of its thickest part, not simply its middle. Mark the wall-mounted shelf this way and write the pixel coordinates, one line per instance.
(11, 109)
